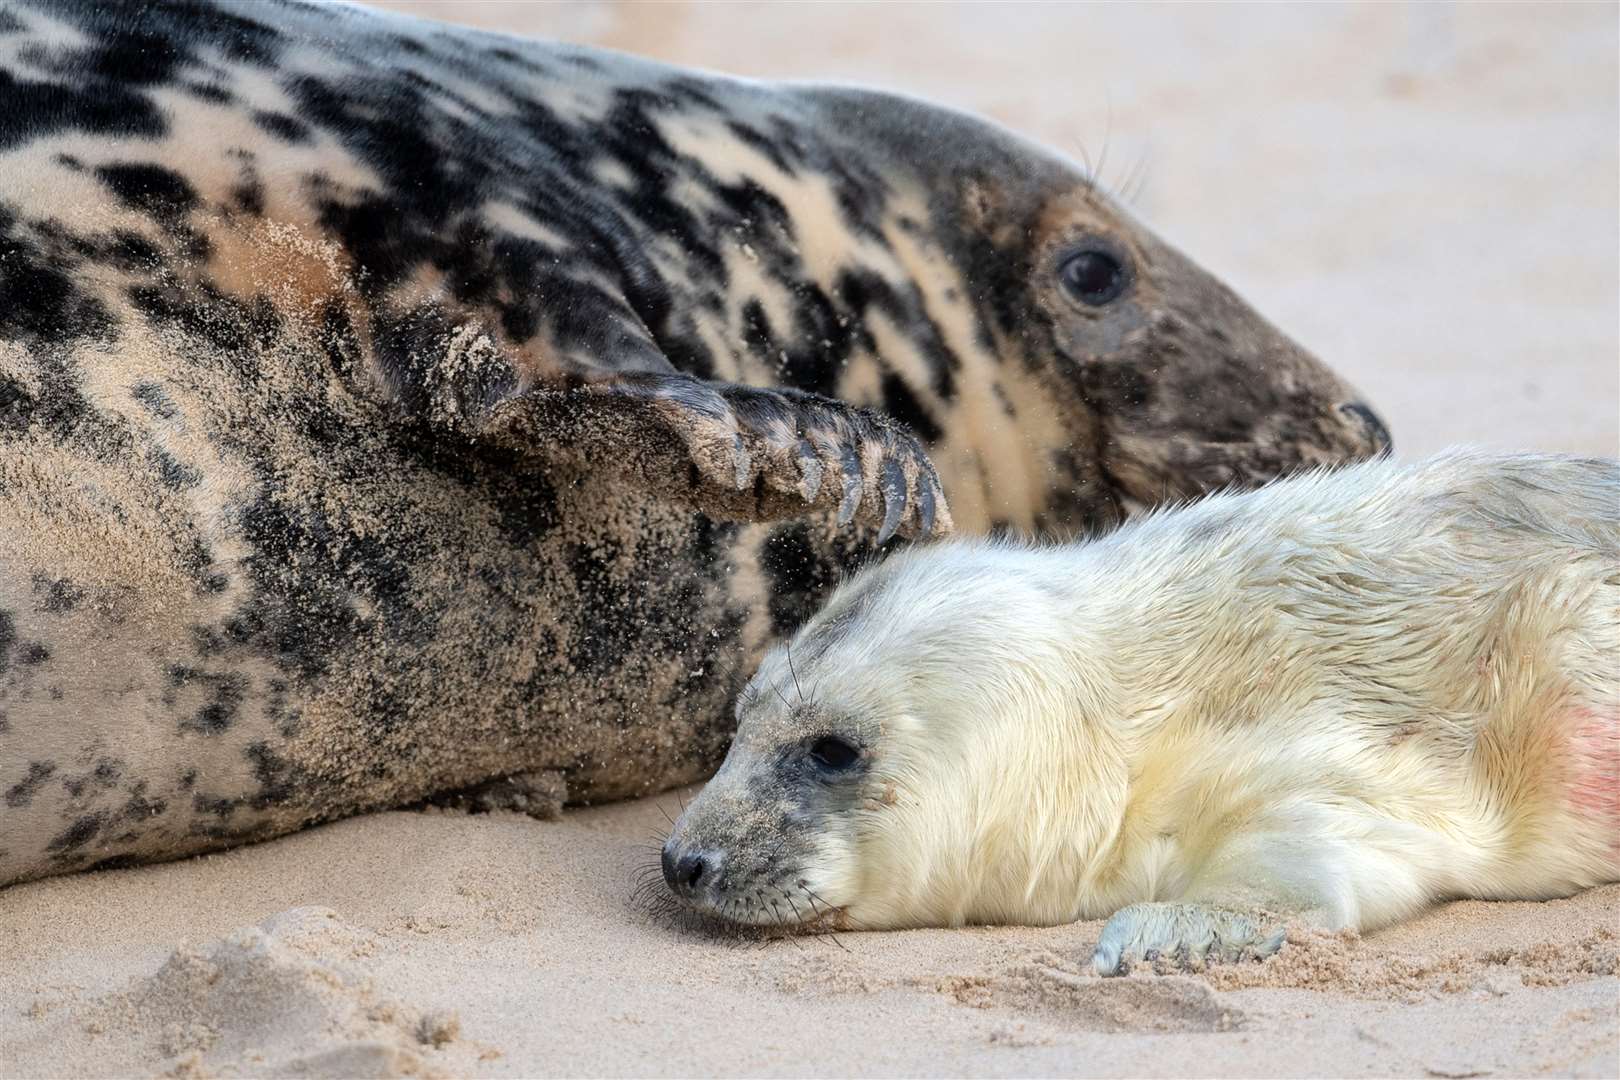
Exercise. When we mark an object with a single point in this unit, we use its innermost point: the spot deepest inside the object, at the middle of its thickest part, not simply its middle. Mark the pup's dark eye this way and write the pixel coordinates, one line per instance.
(831, 752)
(1093, 277)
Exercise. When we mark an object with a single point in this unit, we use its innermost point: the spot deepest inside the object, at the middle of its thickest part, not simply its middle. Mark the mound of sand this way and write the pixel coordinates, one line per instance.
(292, 996)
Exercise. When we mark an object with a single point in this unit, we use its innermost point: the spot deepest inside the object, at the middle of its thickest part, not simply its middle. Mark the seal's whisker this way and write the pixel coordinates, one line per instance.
(853, 922)
(815, 907)
(796, 687)
(1135, 180)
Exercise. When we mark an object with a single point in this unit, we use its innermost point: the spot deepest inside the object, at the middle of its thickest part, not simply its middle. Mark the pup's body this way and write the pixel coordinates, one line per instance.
(1346, 696)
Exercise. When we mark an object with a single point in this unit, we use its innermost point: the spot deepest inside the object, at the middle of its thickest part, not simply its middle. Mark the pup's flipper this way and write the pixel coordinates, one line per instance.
(1188, 935)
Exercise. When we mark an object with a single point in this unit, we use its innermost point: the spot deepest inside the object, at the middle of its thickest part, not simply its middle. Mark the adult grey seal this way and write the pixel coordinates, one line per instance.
(1341, 698)
(387, 407)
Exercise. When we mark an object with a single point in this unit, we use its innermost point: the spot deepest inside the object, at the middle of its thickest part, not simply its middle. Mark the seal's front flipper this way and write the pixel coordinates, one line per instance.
(1186, 935)
(1288, 869)
(734, 452)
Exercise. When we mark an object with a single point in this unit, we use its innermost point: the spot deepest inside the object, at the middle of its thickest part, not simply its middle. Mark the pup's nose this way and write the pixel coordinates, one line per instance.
(687, 872)
(1371, 425)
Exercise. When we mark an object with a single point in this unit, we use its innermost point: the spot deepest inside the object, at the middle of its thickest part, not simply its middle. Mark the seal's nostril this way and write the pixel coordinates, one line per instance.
(1371, 424)
(685, 874)
(690, 871)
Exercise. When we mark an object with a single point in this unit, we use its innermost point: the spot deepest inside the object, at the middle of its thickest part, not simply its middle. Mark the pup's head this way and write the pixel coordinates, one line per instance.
(917, 755)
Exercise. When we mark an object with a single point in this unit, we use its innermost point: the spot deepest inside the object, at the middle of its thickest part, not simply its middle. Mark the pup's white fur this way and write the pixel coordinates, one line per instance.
(1347, 696)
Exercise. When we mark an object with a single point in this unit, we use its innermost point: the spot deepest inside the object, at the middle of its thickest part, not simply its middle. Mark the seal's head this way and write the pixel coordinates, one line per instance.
(909, 762)
(1130, 374)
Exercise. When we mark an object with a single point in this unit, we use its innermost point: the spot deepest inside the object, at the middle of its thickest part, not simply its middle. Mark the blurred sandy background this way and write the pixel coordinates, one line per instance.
(1426, 195)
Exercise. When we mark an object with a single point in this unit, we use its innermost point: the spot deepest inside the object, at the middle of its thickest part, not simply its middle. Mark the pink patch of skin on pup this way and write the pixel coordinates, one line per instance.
(1595, 749)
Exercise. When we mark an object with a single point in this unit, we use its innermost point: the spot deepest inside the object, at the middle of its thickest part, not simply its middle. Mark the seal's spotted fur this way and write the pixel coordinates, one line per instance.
(384, 406)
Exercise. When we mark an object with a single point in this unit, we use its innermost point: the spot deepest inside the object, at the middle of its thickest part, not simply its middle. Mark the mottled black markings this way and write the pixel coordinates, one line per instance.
(517, 60)
(279, 780)
(32, 653)
(40, 301)
(861, 290)
(600, 648)
(128, 251)
(411, 352)
(23, 791)
(1080, 508)
(288, 129)
(774, 150)
(8, 638)
(173, 474)
(155, 44)
(802, 570)
(901, 403)
(526, 509)
(757, 333)
(102, 86)
(211, 92)
(248, 195)
(302, 614)
(155, 399)
(241, 330)
(225, 691)
(152, 189)
(16, 406)
(214, 806)
(80, 833)
(138, 807)
(32, 109)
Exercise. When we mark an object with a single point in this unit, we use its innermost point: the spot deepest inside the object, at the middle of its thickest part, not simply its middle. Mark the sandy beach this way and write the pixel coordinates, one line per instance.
(1424, 195)
(410, 944)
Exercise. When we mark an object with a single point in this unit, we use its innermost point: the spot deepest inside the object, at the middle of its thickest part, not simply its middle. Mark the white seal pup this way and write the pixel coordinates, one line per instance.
(1339, 698)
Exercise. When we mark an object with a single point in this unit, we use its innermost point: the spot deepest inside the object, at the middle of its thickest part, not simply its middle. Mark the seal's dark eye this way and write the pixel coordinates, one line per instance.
(831, 752)
(1093, 277)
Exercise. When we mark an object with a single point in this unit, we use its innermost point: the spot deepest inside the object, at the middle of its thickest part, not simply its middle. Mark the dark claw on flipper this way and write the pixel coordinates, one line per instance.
(893, 485)
(742, 461)
(851, 501)
(809, 471)
(925, 506)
